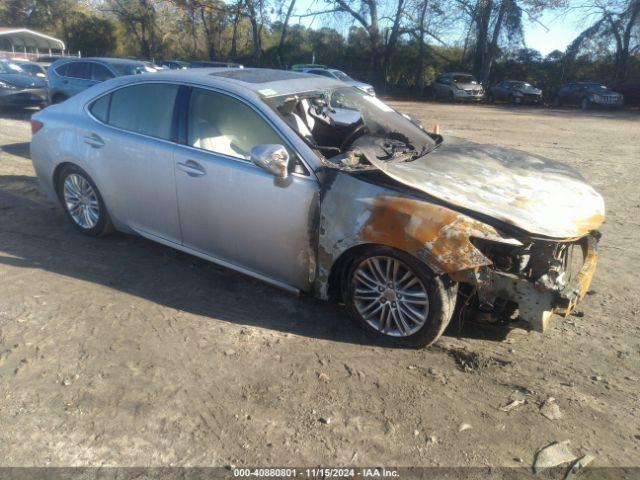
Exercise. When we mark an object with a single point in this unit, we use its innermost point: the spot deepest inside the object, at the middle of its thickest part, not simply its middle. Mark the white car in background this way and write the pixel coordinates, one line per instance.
(334, 74)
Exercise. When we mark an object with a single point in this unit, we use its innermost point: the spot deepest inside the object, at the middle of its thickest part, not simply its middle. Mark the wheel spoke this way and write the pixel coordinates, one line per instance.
(377, 271)
(400, 323)
(364, 278)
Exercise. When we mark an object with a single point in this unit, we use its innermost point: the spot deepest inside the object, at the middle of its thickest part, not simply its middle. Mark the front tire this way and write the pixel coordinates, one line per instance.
(393, 295)
(82, 202)
(585, 104)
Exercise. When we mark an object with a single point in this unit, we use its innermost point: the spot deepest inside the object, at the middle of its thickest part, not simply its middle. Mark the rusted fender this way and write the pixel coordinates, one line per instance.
(355, 212)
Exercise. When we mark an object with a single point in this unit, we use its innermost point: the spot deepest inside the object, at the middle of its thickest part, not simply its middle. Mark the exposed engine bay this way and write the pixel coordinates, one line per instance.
(346, 126)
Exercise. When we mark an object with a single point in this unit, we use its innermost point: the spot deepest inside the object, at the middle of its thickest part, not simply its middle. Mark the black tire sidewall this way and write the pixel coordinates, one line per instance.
(441, 298)
(103, 226)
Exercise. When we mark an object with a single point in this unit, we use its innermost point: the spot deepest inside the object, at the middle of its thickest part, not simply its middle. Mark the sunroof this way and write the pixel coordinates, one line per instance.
(257, 75)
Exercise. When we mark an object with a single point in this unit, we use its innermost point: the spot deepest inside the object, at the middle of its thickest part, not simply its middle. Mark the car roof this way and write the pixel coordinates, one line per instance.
(119, 61)
(263, 81)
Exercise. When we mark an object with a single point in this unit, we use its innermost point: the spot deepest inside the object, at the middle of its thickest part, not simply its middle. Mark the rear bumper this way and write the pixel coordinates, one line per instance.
(537, 302)
(27, 97)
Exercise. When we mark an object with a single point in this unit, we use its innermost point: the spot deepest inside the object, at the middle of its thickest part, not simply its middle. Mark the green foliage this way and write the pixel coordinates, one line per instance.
(92, 35)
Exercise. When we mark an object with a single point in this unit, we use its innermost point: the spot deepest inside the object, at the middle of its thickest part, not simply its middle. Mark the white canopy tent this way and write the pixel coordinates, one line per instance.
(27, 43)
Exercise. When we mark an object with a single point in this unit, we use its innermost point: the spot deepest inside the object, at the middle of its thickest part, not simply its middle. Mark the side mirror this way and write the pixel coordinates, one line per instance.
(272, 158)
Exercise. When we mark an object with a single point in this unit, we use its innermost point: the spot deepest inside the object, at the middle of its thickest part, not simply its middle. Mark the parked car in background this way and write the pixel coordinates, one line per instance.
(175, 64)
(335, 74)
(515, 92)
(70, 76)
(457, 87)
(333, 192)
(20, 89)
(587, 95)
(209, 64)
(33, 69)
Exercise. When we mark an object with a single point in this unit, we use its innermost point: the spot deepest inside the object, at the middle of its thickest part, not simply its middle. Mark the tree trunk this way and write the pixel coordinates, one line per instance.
(283, 35)
(391, 42)
(483, 16)
(492, 50)
(421, 32)
(622, 63)
(234, 36)
(255, 32)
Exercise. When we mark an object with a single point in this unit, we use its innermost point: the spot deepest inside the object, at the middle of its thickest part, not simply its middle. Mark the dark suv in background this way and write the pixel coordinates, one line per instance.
(73, 75)
(587, 95)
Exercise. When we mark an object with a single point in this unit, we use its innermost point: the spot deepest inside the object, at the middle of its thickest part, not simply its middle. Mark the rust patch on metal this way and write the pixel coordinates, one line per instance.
(589, 224)
(437, 234)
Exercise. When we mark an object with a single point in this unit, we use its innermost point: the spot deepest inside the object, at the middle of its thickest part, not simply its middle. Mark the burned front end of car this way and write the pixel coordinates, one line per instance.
(539, 276)
(514, 231)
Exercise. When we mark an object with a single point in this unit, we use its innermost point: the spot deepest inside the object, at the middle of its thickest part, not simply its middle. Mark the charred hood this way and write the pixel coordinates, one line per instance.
(531, 193)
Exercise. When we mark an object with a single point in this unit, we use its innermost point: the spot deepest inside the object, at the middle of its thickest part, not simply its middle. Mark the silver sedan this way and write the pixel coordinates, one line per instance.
(317, 187)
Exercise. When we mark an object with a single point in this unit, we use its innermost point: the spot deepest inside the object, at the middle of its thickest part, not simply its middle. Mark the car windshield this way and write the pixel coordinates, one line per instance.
(520, 84)
(129, 68)
(348, 125)
(11, 68)
(463, 79)
(595, 86)
(342, 76)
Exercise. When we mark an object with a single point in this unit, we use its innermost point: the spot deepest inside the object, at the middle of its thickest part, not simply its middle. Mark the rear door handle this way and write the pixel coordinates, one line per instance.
(191, 168)
(94, 140)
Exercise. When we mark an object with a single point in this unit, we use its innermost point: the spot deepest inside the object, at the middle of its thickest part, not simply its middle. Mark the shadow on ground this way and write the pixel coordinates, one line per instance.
(35, 234)
(17, 149)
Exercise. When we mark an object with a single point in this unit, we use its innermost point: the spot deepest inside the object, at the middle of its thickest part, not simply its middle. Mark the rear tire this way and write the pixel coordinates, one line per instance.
(392, 295)
(82, 202)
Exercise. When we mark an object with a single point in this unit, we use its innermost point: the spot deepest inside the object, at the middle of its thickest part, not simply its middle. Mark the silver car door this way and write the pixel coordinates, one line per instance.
(233, 210)
(128, 147)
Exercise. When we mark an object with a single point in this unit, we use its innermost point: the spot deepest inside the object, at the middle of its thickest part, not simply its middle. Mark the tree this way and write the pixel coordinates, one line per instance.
(92, 35)
(139, 16)
(617, 20)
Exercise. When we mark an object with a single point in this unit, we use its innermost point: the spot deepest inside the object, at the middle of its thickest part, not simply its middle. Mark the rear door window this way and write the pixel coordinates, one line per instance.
(62, 69)
(145, 108)
(78, 70)
(100, 73)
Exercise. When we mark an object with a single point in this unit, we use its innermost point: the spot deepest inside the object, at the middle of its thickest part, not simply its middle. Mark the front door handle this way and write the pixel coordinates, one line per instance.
(191, 168)
(94, 140)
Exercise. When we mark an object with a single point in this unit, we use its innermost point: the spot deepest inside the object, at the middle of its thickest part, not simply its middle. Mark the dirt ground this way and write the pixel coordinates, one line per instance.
(122, 352)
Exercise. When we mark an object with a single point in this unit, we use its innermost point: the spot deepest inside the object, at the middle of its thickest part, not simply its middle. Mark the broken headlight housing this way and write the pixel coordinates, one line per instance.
(506, 255)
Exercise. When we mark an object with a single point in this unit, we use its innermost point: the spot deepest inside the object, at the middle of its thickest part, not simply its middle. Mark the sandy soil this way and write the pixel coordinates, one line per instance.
(121, 352)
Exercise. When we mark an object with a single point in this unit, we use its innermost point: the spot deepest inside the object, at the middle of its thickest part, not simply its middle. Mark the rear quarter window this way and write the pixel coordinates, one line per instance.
(100, 108)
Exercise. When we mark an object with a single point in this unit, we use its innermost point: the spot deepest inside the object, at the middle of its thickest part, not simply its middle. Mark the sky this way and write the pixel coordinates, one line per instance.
(559, 33)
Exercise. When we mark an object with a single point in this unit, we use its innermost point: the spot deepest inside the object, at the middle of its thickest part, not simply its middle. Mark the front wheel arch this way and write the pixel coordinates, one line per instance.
(341, 266)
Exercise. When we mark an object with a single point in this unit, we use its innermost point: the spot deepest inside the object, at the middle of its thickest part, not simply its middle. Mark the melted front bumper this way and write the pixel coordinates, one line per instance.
(537, 302)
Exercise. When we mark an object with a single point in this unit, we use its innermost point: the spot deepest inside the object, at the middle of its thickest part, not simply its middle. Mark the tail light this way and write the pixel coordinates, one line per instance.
(35, 126)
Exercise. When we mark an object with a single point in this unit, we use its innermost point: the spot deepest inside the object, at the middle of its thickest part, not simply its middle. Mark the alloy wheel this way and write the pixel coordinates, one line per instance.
(81, 201)
(389, 296)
